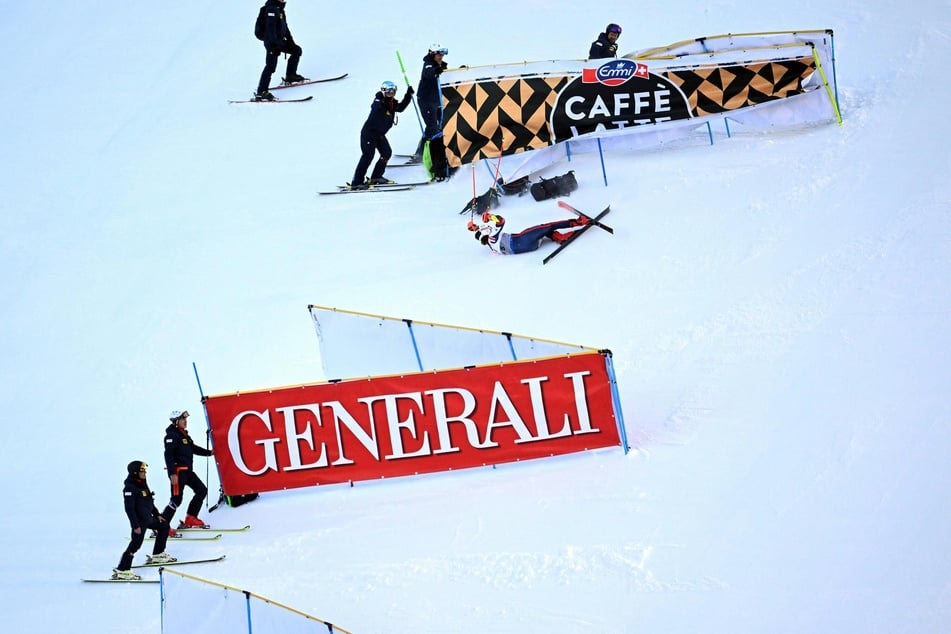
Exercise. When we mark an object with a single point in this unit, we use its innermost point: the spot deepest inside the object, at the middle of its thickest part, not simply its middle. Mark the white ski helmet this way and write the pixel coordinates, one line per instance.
(438, 48)
(177, 413)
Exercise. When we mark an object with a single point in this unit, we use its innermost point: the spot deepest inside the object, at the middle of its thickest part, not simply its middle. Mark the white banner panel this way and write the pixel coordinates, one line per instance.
(356, 344)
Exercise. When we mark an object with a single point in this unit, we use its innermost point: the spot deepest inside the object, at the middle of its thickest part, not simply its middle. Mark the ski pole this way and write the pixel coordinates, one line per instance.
(498, 167)
(474, 197)
(419, 117)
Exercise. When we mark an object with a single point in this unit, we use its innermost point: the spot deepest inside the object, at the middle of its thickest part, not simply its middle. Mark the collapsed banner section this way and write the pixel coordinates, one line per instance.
(509, 109)
(383, 427)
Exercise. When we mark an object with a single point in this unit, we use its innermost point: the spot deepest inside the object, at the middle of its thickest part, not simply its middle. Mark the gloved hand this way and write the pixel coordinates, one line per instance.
(443, 65)
(409, 90)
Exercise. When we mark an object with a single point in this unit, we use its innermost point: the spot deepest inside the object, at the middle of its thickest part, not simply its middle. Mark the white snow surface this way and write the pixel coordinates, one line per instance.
(777, 305)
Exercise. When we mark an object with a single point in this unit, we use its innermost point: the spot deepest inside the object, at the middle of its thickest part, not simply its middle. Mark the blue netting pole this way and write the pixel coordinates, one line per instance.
(412, 336)
(604, 173)
(616, 399)
(247, 597)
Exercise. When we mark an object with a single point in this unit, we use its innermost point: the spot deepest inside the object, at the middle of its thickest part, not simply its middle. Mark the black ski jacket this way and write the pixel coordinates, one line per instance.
(383, 114)
(180, 450)
(602, 48)
(428, 89)
(139, 503)
(276, 33)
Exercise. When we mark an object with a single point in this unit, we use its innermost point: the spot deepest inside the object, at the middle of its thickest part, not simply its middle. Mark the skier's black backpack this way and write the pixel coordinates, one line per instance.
(518, 186)
(553, 187)
(259, 23)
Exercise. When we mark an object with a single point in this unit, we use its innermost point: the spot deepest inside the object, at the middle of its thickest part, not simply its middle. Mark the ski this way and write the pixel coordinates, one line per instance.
(574, 236)
(183, 538)
(308, 82)
(183, 529)
(390, 185)
(375, 188)
(120, 580)
(181, 562)
(308, 98)
(565, 205)
(405, 164)
(416, 184)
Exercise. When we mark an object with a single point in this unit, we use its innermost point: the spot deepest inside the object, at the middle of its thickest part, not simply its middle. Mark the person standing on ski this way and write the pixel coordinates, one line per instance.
(606, 45)
(277, 39)
(180, 451)
(488, 231)
(373, 135)
(140, 508)
(429, 98)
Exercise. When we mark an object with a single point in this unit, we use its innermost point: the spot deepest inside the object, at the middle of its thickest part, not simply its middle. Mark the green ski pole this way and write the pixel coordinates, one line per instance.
(419, 117)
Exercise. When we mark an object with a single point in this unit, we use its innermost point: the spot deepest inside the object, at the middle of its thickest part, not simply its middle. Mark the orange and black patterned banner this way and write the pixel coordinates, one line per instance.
(509, 113)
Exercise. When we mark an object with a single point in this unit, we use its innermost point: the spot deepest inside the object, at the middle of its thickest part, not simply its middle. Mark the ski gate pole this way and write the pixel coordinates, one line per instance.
(419, 118)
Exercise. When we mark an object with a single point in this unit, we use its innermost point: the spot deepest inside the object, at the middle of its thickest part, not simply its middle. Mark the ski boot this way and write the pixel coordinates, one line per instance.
(191, 521)
(160, 558)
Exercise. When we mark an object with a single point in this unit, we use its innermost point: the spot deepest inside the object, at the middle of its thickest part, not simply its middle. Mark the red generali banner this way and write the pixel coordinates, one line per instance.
(383, 427)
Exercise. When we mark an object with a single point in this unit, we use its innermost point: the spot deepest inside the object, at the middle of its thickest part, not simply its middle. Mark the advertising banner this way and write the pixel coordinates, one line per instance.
(384, 427)
(510, 109)
(514, 114)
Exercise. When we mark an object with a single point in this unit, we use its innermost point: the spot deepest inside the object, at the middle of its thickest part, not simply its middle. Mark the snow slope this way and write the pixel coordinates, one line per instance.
(777, 306)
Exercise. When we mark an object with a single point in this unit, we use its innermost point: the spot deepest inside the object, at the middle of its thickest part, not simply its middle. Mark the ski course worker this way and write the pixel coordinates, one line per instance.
(382, 117)
(488, 231)
(430, 108)
(180, 451)
(140, 508)
(606, 44)
(277, 40)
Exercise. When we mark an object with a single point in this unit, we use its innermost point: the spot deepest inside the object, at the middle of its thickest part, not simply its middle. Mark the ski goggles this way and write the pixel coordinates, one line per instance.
(440, 51)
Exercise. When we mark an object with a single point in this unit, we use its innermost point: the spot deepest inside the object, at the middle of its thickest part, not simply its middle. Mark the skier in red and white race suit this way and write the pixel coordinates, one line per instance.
(488, 231)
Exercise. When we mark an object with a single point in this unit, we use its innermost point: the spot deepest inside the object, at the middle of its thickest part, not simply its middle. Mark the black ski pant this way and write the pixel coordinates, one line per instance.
(135, 542)
(433, 133)
(270, 64)
(370, 143)
(186, 478)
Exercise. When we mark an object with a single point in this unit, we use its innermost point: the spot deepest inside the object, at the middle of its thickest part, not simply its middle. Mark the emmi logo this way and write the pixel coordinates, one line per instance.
(614, 73)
